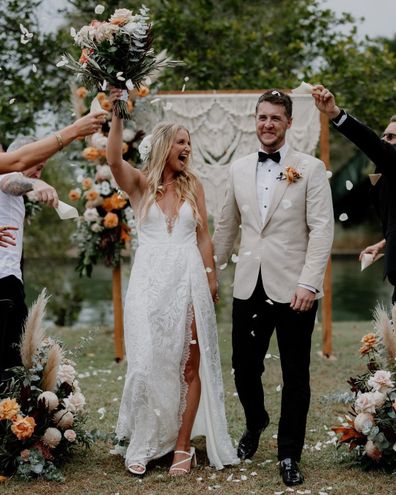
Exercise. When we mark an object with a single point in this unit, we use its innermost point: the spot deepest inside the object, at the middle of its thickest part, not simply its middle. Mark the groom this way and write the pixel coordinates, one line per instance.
(281, 201)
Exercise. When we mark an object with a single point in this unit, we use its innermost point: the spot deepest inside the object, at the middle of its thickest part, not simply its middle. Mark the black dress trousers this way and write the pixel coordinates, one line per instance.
(254, 321)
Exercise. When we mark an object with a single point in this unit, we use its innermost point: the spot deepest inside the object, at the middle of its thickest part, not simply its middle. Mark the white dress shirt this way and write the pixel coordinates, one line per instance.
(266, 177)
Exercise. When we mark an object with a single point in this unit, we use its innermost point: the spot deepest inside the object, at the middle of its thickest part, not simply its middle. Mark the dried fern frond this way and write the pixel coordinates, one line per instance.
(51, 368)
(34, 332)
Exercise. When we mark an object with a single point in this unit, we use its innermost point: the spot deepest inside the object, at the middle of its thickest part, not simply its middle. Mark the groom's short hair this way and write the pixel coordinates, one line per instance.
(277, 97)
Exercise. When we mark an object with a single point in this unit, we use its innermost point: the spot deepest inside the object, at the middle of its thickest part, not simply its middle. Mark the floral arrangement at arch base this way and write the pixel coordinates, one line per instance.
(370, 429)
(42, 409)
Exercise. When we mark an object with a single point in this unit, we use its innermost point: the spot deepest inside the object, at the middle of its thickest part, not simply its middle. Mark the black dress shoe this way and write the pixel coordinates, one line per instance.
(290, 472)
(249, 442)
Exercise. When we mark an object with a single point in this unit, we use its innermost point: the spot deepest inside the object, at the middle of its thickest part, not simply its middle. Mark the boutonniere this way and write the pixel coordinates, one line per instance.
(292, 174)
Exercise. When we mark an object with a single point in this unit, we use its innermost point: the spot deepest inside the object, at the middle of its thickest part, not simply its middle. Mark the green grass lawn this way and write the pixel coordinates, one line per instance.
(101, 380)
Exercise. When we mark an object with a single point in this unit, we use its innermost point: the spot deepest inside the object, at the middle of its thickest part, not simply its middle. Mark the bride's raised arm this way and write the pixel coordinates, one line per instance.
(129, 179)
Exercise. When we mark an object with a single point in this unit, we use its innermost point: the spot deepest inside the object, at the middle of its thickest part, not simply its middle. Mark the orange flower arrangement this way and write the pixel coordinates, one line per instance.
(114, 202)
(130, 106)
(101, 96)
(143, 91)
(91, 195)
(74, 194)
(369, 341)
(9, 408)
(110, 220)
(106, 104)
(81, 92)
(91, 153)
(125, 236)
(87, 183)
(292, 174)
(23, 428)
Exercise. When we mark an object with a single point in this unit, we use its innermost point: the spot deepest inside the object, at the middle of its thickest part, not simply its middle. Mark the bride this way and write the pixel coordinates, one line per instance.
(173, 388)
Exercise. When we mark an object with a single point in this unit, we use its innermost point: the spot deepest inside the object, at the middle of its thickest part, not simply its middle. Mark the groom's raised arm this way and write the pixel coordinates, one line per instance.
(228, 224)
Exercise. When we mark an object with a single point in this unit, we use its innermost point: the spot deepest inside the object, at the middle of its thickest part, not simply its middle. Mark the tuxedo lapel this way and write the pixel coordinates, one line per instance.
(250, 172)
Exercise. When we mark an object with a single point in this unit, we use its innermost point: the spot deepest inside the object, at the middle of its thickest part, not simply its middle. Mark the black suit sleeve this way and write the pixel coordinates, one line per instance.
(381, 153)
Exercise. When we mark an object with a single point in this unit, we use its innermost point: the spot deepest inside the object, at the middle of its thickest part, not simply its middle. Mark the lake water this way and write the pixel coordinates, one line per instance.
(355, 293)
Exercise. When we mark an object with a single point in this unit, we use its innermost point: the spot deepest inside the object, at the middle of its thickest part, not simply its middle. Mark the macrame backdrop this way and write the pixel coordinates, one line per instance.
(222, 129)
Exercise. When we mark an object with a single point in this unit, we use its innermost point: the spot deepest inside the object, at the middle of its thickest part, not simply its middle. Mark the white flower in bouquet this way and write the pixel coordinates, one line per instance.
(145, 148)
(365, 403)
(91, 215)
(372, 451)
(104, 31)
(98, 140)
(129, 213)
(66, 374)
(103, 172)
(70, 435)
(121, 17)
(75, 402)
(52, 437)
(105, 188)
(63, 419)
(379, 399)
(364, 422)
(381, 381)
(128, 135)
(51, 400)
(96, 227)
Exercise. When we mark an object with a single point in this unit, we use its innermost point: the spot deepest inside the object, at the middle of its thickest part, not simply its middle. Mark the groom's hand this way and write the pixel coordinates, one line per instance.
(325, 101)
(302, 300)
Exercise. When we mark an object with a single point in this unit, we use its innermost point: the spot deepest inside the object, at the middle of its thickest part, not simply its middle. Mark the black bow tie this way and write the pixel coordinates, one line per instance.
(262, 157)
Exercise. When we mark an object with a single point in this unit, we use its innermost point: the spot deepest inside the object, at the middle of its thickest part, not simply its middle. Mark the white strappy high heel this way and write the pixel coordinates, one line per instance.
(137, 468)
(191, 459)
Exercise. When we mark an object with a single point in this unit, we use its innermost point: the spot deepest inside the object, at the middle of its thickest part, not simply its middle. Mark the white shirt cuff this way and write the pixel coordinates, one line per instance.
(309, 287)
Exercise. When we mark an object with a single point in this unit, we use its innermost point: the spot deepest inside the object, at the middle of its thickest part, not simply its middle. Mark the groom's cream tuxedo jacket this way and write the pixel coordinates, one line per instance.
(293, 245)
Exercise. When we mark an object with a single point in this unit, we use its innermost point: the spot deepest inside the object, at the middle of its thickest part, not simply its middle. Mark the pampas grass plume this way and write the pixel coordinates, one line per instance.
(51, 367)
(34, 332)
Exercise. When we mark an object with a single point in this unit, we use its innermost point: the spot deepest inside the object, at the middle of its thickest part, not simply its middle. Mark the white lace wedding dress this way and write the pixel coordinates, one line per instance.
(168, 283)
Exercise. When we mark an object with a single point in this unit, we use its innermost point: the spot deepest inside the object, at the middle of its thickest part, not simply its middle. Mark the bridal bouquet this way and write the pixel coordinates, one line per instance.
(370, 429)
(116, 52)
(41, 408)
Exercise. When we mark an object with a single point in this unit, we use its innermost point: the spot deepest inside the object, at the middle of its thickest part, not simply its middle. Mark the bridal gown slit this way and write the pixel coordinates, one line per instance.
(168, 288)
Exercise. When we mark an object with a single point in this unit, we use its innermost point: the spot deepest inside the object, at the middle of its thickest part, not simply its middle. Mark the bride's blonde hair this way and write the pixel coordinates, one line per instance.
(186, 182)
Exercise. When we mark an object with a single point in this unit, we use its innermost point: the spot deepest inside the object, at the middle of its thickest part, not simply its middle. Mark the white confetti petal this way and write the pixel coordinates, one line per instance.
(183, 88)
(73, 32)
(329, 174)
(279, 388)
(235, 394)
(34, 68)
(223, 266)
(348, 185)
(156, 100)
(243, 477)
(129, 85)
(343, 217)
(268, 356)
(102, 412)
(157, 412)
(11, 101)
(288, 489)
(253, 473)
(234, 258)
(104, 85)
(193, 341)
(199, 479)
(186, 79)
(61, 62)
(99, 9)
(275, 436)
(208, 269)
(252, 333)
(254, 316)
(230, 477)
(269, 302)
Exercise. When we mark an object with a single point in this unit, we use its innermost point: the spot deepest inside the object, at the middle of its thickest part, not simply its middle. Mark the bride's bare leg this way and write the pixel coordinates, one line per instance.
(191, 376)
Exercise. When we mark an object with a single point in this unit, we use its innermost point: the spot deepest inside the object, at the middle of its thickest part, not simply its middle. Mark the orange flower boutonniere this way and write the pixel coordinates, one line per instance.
(291, 174)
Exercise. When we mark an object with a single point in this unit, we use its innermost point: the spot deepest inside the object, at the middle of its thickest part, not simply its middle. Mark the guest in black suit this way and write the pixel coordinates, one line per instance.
(382, 152)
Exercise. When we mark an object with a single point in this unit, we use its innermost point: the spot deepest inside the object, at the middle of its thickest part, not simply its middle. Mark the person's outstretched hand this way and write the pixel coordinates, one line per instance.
(325, 101)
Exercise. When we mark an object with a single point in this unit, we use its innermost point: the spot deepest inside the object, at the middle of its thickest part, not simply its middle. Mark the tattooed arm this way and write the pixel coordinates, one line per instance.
(18, 185)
